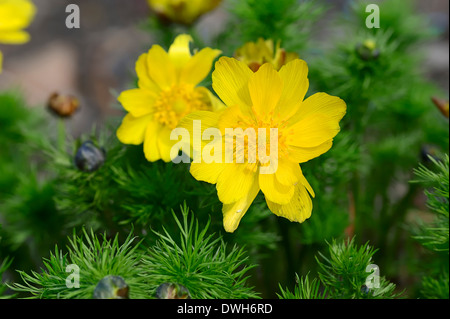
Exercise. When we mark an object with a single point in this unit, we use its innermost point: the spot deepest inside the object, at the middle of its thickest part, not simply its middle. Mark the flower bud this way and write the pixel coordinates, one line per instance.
(63, 105)
(172, 291)
(255, 54)
(111, 287)
(368, 50)
(89, 157)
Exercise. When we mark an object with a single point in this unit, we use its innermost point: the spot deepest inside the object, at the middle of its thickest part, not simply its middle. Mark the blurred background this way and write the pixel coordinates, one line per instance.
(94, 61)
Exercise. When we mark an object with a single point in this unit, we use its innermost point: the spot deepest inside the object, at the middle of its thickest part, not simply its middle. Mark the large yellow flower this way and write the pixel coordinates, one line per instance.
(255, 54)
(166, 93)
(265, 100)
(182, 11)
(15, 15)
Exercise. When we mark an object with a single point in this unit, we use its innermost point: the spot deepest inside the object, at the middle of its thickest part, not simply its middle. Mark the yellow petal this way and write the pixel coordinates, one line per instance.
(298, 209)
(265, 88)
(16, 14)
(144, 79)
(320, 103)
(233, 213)
(288, 173)
(138, 102)
(313, 131)
(132, 130)
(160, 67)
(214, 101)
(231, 117)
(207, 172)
(274, 191)
(14, 37)
(230, 82)
(207, 119)
(305, 183)
(179, 51)
(234, 182)
(295, 79)
(304, 154)
(199, 66)
(165, 144)
(151, 149)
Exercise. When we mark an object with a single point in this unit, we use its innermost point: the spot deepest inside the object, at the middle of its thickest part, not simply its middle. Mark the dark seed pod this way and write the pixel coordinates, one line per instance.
(89, 157)
(428, 151)
(111, 287)
(63, 105)
(172, 291)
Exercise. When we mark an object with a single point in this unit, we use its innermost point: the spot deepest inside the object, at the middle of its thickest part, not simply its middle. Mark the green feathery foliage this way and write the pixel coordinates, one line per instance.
(345, 272)
(305, 289)
(435, 235)
(201, 263)
(4, 265)
(406, 25)
(198, 261)
(95, 258)
(289, 21)
(436, 288)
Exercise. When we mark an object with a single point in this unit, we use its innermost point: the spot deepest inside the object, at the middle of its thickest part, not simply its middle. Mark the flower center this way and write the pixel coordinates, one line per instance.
(260, 143)
(176, 102)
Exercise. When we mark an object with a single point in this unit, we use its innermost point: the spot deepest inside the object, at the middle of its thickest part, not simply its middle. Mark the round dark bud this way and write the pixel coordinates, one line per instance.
(89, 157)
(63, 105)
(172, 291)
(427, 152)
(111, 287)
(364, 290)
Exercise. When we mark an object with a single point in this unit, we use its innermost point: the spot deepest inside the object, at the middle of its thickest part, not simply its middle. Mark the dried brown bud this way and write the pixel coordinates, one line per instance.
(63, 105)
(442, 105)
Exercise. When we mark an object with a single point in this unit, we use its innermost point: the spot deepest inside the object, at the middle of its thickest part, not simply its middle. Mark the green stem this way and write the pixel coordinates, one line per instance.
(284, 231)
(61, 135)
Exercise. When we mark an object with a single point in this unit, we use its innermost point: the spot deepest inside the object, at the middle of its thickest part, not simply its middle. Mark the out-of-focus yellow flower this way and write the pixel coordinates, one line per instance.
(258, 102)
(182, 11)
(255, 54)
(167, 91)
(15, 15)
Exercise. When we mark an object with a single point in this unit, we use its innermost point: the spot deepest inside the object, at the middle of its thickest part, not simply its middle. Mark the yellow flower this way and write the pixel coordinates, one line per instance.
(15, 15)
(264, 100)
(182, 11)
(166, 92)
(255, 54)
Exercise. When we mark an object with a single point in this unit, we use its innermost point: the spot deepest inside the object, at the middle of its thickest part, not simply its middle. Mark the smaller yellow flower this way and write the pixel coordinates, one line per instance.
(255, 54)
(15, 15)
(167, 91)
(182, 11)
